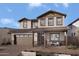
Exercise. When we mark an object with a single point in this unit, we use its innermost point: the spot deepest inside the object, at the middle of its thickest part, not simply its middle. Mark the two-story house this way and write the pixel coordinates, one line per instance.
(46, 30)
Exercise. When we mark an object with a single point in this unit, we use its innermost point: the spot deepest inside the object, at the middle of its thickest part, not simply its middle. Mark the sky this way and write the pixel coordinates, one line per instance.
(11, 13)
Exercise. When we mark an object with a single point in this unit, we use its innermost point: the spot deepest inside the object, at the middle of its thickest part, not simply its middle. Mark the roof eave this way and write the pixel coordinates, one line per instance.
(73, 22)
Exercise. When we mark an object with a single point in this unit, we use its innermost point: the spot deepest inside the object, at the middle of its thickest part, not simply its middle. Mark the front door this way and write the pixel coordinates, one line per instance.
(40, 41)
(15, 42)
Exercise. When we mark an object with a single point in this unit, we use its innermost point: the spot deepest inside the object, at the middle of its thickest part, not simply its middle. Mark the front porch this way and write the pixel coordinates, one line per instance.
(45, 37)
(49, 39)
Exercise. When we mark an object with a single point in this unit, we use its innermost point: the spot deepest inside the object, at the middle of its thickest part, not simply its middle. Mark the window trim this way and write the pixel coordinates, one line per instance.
(52, 20)
(57, 21)
(25, 25)
(43, 19)
(35, 25)
(56, 37)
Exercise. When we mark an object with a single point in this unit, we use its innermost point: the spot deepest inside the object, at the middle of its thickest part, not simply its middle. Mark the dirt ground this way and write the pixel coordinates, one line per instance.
(13, 50)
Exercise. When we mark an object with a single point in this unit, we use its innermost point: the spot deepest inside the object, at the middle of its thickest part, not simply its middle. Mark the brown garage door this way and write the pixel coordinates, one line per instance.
(24, 39)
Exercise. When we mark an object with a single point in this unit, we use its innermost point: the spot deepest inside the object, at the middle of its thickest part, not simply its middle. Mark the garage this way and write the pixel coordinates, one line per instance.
(23, 39)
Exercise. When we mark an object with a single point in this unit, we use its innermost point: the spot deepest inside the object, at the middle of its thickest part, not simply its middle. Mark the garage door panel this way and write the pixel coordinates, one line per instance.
(24, 41)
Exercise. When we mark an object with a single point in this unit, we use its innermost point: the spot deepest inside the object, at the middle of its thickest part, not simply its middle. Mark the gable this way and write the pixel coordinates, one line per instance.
(76, 23)
(51, 15)
(23, 19)
(54, 13)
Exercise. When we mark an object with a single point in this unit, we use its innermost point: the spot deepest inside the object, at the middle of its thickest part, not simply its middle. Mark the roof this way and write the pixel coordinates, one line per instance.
(59, 29)
(23, 19)
(73, 22)
(51, 11)
(34, 20)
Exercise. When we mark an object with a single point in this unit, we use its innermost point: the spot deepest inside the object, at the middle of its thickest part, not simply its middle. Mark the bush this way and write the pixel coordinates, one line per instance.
(3, 44)
(72, 47)
(8, 43)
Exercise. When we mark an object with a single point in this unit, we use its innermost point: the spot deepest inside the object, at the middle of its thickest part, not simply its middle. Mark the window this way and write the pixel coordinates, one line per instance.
(59, 21)
(55, 37)
(35, 25)
(21, 36)
(29, 35)
(17, 35)
(26, 35)
(43, 22)
(50, 21)
(25, 24)
(73, 34)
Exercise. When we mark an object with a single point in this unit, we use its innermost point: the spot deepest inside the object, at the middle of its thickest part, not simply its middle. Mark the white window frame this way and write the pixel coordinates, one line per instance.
(59, 21)
(43, 22)
(54, 39)
(25, 24)
(51, 23)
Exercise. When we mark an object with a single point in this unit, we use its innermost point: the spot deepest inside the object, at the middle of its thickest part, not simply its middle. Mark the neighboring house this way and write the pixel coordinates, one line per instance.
(73, 28)
(5, 36)
(46, 30)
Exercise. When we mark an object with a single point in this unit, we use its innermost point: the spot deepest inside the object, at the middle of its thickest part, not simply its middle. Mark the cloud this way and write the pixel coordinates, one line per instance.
(56, 4)
(35, 4)
(9, 22)
(6, 21)
(9, 10)
(31, 6)
(66, 5)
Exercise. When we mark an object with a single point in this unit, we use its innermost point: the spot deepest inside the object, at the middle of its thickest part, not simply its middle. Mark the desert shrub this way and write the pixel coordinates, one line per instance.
(74, 40)
(72, 46)
(6, 41)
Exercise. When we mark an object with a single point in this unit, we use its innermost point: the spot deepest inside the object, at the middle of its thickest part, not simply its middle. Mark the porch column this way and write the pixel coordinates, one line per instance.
(12, 39)
(33, 39)
(66, 38)
(45, 40)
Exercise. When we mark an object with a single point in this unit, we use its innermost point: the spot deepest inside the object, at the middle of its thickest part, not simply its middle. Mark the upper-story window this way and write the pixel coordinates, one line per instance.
(51, 21)
(42, 22)
(59, 21)
(25, 24)
(35, 25)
